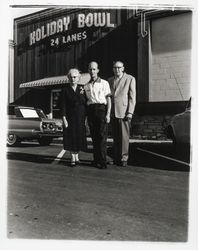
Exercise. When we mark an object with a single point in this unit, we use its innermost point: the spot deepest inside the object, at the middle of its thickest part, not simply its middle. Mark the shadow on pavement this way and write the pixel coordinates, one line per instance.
(27, 145)
(66, 162)
(139, 158)
(30, 157)
(36, 158)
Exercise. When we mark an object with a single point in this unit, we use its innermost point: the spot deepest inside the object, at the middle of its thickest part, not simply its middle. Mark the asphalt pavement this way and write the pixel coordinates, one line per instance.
(146, 201)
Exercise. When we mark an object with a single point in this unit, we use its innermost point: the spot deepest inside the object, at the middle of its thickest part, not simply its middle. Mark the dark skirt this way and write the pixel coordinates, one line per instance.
(74, 136)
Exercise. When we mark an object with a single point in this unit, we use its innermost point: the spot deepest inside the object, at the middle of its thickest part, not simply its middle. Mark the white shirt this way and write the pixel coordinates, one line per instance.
(97, 91)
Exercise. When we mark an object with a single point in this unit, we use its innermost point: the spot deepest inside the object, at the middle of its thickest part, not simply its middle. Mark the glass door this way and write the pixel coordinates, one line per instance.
(56, 103)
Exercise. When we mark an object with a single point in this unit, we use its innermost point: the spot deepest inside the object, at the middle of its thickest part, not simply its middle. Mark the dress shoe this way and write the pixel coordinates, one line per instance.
(124, 164)
(72, 163)
(102, 166)
(117, 163)
(94, 164)
(78, 162)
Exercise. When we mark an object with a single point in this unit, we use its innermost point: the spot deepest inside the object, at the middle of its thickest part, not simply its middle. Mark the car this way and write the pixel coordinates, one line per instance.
(28, 123)
(178, 128)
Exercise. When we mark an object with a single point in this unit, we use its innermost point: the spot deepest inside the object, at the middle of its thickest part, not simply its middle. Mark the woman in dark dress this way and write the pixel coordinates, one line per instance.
(73, 109)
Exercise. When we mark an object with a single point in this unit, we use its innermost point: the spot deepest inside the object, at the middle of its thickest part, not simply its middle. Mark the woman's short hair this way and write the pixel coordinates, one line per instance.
(73, 70)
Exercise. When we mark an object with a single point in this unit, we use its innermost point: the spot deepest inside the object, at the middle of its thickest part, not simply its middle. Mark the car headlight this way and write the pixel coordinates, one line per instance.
(44, 125)
(51, 126)
(48, 126)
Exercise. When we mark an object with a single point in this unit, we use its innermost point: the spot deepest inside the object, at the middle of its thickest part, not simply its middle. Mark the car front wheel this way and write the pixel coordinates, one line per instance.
(45, 141)
(12, 140)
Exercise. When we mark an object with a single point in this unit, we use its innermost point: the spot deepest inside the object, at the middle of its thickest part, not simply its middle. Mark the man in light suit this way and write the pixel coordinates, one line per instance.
(123, 90)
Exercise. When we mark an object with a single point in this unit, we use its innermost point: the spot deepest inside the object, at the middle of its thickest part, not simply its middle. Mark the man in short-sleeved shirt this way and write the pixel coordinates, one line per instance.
(99, 107)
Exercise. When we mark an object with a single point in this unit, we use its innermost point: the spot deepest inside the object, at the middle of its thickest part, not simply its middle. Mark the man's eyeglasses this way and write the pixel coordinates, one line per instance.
(117, 67)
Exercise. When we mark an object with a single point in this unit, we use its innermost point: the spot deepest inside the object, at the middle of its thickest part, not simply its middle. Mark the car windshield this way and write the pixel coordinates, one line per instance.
(29, 113)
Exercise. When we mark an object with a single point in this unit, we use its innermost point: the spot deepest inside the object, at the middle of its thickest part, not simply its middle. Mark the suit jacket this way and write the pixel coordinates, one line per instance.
(123, 95)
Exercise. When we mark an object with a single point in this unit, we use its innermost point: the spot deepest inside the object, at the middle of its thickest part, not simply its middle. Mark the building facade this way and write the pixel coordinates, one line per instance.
(155, 46)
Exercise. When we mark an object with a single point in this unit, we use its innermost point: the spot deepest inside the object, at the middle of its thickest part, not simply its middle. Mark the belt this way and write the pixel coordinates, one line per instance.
(96, 104)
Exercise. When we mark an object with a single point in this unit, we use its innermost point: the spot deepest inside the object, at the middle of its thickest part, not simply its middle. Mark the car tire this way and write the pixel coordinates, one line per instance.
(45, 141)
(13, 140)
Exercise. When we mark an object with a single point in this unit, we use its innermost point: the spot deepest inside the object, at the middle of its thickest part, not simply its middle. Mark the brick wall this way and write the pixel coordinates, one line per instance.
(149, 127)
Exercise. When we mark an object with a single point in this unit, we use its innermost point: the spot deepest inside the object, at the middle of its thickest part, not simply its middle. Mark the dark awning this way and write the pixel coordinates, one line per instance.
(56, 80)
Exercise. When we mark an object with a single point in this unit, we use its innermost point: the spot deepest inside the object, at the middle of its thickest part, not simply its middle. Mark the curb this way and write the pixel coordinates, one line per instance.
(60, 141)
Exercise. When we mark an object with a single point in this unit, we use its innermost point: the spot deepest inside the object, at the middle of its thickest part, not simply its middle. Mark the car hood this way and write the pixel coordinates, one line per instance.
(180, 114)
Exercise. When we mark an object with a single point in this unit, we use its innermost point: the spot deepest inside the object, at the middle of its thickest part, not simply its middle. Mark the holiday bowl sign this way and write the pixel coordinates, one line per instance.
(69, 29)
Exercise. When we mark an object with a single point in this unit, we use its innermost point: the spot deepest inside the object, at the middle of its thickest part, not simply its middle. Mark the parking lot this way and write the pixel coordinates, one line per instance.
(147, 201)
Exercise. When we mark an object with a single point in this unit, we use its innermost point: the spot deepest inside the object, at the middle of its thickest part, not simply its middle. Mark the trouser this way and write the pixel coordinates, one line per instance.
(121, 133)
(98, 131)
